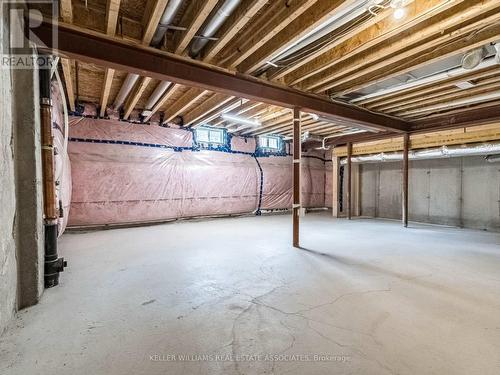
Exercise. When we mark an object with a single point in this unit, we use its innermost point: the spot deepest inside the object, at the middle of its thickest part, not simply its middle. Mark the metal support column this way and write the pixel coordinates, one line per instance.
(297, 148)
(406, 146)
(349, 181)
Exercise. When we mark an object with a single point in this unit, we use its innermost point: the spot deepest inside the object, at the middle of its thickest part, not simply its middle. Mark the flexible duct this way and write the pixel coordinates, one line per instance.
(432, 153)
(213, 25)
(127, 86)
(165, 20)
(156, 95)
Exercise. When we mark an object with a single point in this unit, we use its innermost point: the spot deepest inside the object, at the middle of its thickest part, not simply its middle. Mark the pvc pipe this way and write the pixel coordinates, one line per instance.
(432, 153)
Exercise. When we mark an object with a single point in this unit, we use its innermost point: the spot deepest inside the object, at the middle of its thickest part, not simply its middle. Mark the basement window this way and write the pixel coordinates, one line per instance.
(270, 143)
(210, 136)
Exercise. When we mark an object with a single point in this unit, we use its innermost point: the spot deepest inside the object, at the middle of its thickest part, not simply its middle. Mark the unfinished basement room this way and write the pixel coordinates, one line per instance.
(299, 187)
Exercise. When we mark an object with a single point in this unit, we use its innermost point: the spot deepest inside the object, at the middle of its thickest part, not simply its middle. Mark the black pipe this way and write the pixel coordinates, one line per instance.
(53, 264)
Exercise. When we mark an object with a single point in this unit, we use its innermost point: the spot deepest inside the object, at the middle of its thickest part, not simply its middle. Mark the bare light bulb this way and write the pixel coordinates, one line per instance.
(399, 13)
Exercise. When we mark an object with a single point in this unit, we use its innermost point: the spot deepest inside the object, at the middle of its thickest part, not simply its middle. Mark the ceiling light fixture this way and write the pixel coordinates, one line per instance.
(399, 13)
(241, 120)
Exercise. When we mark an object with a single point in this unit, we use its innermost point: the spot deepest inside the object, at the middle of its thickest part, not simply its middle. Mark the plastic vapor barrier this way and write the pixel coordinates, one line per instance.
(129, 173)
(61, 161)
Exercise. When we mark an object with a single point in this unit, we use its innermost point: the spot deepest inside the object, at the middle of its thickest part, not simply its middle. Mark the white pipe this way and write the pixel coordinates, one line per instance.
(166, 19)
(432, 153)
(486, 63)
(213, 25)
(127, 86)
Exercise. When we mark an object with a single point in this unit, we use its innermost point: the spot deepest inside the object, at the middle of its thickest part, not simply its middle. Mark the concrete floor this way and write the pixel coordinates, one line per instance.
(367, 295)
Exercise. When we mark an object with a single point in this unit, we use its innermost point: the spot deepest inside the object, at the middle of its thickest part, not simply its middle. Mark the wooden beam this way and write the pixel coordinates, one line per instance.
(106, 88)
(132, 101)
(233, 25)
(113, 7)
(229, 105)
(193, 19)
(309, 20)
(374, 34)
(420, 56)
(422, 47)
(429, 139)
(68, 81)
(183, 103)
(313, 58)
(281, 14)
(297, 151)
(66, 10)
(387, 101)
(205, 108)
(151, 19)
(406, 144)
(479, 116)
(113, 53)
(112, 10)
(442, 93)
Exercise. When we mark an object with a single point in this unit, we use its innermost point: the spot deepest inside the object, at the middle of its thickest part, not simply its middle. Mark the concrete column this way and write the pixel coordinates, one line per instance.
(29, 215)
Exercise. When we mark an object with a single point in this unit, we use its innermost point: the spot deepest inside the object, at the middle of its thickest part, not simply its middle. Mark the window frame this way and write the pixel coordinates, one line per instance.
(210, 142)
(264, 146)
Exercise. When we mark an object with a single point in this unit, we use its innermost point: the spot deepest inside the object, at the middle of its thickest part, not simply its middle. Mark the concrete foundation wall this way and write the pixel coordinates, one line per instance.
(8, 269)
(461, 192)
(21, 216)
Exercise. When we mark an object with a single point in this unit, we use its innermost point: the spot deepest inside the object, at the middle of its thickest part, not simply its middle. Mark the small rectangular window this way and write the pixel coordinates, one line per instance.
(270, 143)
(210, 135)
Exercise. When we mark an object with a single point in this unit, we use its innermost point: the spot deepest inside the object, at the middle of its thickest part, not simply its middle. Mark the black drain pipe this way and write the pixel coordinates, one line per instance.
(53, 264)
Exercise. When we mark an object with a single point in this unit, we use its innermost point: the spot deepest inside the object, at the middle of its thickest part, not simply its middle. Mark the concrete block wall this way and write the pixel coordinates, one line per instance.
(462, 192)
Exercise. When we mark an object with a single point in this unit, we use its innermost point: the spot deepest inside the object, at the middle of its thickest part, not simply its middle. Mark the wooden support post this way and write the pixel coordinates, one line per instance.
(349, 181)
(406, 144)
(297, 148)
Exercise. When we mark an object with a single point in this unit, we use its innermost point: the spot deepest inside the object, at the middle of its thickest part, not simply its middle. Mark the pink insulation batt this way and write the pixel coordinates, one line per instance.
(125, 173)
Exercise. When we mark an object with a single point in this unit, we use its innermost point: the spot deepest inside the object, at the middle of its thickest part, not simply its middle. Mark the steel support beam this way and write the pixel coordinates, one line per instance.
(297, 149)
(110, 52)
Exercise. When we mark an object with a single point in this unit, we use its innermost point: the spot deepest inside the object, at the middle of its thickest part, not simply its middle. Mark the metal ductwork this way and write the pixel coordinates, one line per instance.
(155, 96)
(212, 26)
(127, 86)
(165, 20)
(491, 149)
(486, 63)
(343, 15)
